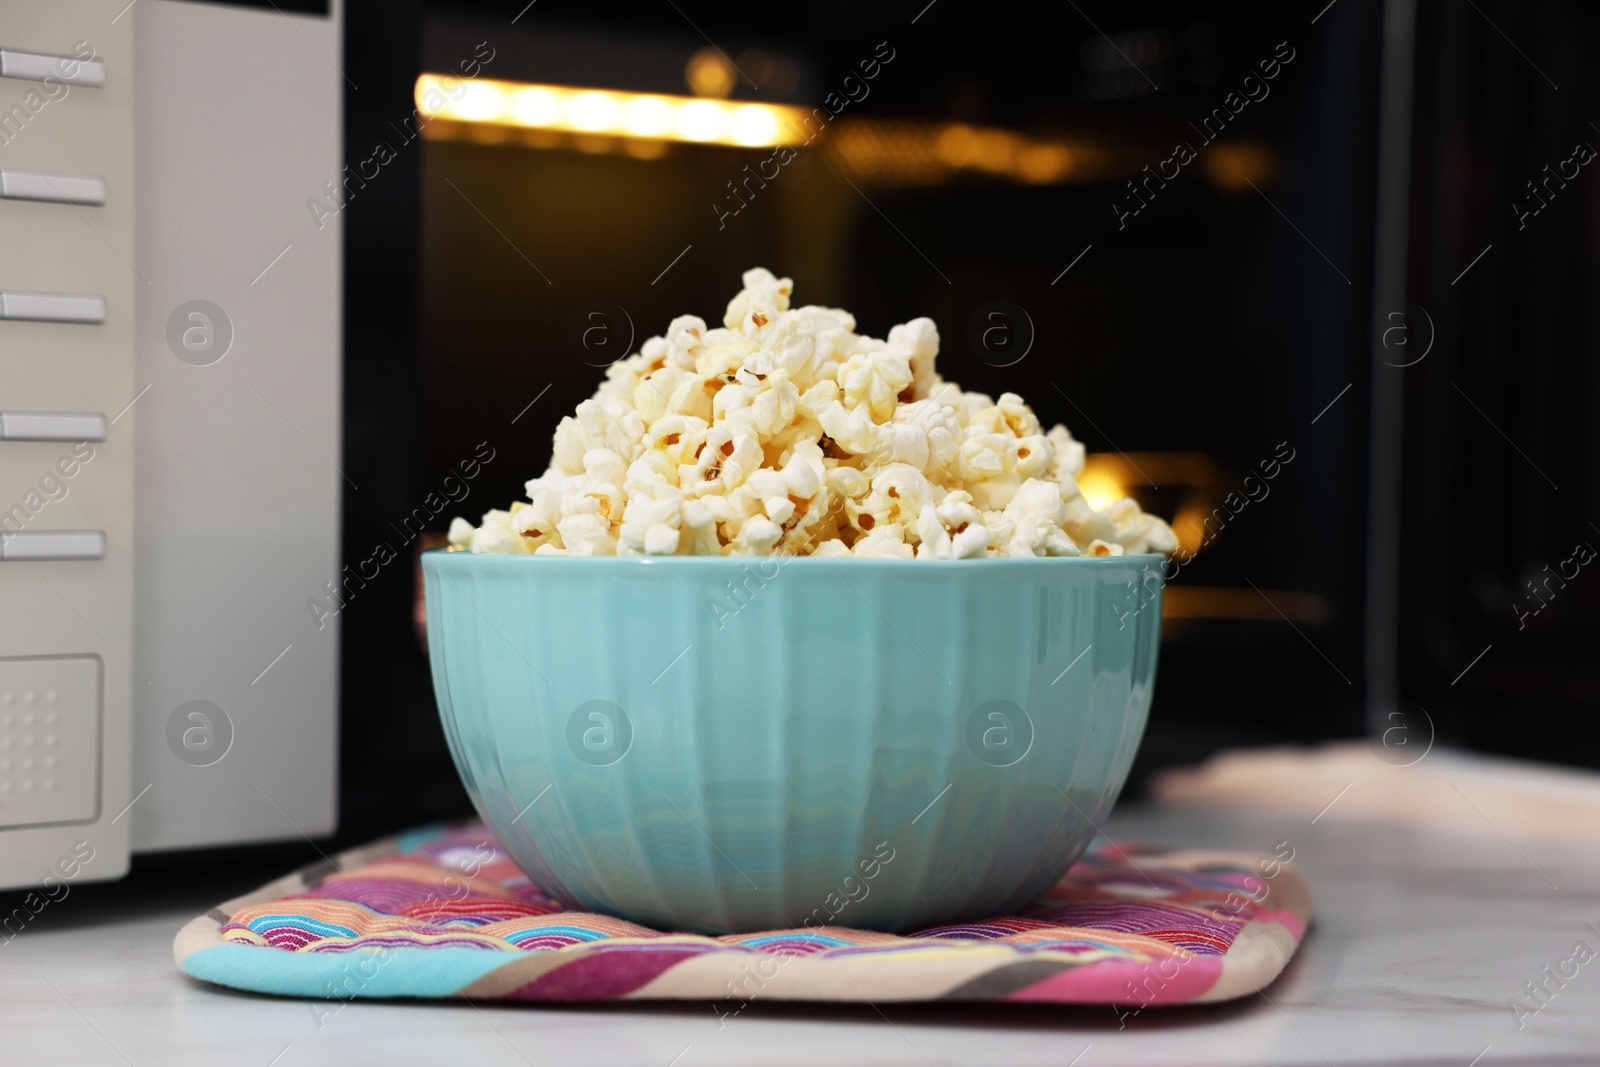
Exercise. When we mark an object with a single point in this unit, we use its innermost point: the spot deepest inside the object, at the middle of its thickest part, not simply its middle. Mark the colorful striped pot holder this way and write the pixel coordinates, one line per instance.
(442, 912)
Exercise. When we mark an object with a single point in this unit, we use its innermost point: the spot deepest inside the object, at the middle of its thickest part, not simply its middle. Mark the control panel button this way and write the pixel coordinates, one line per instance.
(49, 740)
(52, 426)
(52, 544)
(36, 66)
(53, 307)
(57, 188)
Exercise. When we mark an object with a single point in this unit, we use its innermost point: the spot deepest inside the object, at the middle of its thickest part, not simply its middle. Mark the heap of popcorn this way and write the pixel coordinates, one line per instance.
(786, 432)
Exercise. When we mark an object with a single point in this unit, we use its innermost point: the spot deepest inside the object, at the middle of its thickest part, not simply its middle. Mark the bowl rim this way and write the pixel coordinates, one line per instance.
(436, 556)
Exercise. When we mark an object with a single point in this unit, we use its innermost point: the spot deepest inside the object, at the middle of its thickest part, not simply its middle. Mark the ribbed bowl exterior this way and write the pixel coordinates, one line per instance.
(727, 744)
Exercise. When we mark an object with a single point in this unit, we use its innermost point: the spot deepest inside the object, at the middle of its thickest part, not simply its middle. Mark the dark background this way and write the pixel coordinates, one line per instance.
(1221, 321)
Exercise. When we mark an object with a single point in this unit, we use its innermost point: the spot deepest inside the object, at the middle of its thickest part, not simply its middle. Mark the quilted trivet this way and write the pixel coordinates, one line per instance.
(441, 912)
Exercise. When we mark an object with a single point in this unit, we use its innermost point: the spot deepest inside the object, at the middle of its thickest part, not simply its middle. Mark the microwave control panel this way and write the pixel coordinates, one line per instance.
(68, 407)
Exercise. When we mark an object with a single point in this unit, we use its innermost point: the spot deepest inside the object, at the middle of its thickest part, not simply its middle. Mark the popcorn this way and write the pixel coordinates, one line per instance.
(886, 543)
(533, 527)
(774, 407)
(898, 494)
(1033, 521)
(700, 526)
(952, 530)
(875, 380)
(582, 534)
(495, 536)
(495, 540)
(1066, 461)
(757, 536)
(760, 288)
(918, 340)
(785, 431)
(650, 525)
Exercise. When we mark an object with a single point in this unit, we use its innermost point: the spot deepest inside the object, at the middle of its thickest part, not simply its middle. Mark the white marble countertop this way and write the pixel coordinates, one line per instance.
(1421, 938)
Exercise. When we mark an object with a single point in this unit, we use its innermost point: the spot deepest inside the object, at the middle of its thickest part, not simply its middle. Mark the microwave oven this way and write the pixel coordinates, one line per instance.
(170, 428)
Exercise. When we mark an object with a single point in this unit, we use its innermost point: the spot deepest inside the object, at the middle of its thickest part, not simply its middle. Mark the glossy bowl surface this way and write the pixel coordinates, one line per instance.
(732, 744)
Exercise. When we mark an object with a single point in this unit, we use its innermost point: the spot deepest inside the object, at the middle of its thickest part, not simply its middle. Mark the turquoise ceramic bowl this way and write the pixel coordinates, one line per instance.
(729, 744)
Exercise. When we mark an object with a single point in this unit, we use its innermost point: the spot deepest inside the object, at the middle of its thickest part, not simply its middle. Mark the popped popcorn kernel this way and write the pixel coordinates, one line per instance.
(785, 431)
(460, 535)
